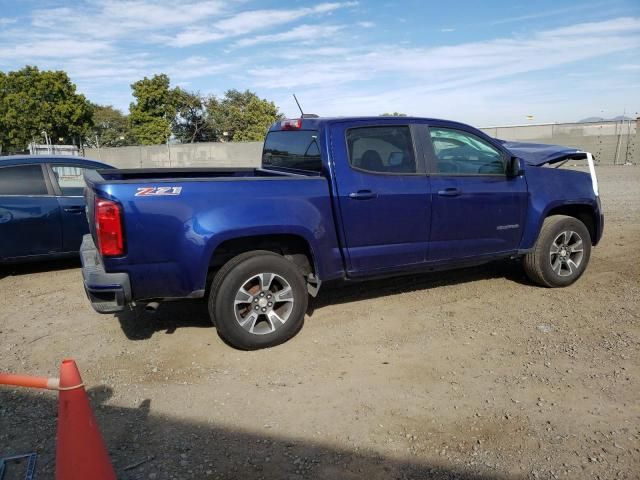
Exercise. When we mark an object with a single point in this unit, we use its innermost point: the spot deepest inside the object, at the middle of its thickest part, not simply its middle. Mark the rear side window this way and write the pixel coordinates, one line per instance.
(22, 180)
(295, 149)
(70, 179)
(381, 149)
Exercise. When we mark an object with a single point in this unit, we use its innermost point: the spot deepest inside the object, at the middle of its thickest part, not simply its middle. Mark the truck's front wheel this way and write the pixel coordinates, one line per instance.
(561, 253)
(258, 299)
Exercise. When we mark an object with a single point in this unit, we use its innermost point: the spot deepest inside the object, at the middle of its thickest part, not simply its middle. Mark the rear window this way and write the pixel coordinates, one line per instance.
(294, 149)
(22, 180)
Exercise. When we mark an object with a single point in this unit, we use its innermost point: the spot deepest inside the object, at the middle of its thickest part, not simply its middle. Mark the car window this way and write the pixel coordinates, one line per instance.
(296, 149)
(464, 153)
(22, 180)
(387, 149)
(70, 179)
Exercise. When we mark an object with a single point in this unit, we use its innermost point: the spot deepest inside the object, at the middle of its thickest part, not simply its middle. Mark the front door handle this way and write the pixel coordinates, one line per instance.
(449, 192)
(74, 209)
(363, 195)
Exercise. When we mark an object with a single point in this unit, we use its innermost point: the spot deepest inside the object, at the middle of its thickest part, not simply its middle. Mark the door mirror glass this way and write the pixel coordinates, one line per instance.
(395, 159)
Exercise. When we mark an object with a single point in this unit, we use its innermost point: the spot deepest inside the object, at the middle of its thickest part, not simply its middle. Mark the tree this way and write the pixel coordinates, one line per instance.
(242, 115)
(190, 123)
(34, 101)
(151, 115)
(394, 114)
(110, 128)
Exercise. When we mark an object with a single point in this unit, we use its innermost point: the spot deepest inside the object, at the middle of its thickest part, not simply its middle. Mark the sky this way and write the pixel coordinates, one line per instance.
(484, 63)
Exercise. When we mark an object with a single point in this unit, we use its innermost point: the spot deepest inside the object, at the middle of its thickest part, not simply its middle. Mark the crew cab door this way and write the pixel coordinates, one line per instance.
(29, 214)
(477, 209)
(68, 181)
(383, 196)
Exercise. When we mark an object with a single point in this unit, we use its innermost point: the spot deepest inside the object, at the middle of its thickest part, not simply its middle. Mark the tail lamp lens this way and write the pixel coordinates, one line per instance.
(108, 216)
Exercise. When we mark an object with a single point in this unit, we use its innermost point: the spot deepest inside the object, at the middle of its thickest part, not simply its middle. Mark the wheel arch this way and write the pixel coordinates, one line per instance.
(584, 211)
(294, 246)
(580, 211)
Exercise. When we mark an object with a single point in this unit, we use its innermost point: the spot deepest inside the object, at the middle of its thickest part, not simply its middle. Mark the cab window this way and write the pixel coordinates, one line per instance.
(463, 153)
(292, 149)
(387, 149)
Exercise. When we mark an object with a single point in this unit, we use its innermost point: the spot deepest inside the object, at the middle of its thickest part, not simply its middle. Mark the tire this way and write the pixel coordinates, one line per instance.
(257, 300)
(569, 238)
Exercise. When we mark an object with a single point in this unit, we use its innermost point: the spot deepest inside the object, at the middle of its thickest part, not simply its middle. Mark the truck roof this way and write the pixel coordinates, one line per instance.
(314, 123)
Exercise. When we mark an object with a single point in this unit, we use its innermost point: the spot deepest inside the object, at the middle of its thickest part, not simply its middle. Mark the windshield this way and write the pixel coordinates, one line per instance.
(294, 149)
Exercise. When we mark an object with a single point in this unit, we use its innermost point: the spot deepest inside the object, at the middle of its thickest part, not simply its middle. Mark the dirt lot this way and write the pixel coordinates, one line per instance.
(474, 374)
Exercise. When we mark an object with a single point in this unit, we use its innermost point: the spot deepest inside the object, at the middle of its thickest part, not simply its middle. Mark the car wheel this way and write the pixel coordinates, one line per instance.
(561, 253)
(258, 299)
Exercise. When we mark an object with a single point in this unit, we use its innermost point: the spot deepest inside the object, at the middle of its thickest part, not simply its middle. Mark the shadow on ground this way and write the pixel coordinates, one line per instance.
(27, 268)
(143, 445)
(355, 291)
(139, 324)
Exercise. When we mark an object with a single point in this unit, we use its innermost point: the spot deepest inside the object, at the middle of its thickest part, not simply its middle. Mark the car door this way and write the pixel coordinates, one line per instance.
(29, 215)
(383, 196)
(68, 181)
(477, 209)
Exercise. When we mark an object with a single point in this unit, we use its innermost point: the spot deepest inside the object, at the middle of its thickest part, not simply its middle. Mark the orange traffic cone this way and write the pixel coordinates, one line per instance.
(80, 452)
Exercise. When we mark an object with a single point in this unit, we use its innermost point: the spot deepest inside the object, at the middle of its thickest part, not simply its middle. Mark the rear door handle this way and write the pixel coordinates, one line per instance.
(363, 195)
(74, 209)
(449, 192)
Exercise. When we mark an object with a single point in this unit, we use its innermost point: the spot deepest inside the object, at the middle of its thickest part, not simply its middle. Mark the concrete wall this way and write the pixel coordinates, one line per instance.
(241, 154)
(610, 142)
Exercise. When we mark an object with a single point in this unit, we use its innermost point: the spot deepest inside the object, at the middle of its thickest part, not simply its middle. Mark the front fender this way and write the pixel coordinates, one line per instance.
(552, 189)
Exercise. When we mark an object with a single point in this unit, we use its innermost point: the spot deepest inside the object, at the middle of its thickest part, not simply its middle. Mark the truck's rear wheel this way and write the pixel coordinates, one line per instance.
(561, 253)
(258, 299)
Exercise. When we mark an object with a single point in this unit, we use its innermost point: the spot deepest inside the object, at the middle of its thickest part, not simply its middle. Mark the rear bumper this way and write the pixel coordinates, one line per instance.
(107, 292)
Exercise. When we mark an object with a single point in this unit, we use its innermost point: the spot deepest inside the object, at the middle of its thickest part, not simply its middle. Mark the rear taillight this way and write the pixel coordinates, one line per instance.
(109, 228)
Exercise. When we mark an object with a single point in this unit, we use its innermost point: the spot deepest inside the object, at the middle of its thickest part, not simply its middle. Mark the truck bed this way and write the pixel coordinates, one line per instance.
(174, 220)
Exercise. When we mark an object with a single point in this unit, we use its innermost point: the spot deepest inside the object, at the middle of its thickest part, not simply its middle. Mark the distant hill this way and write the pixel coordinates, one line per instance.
(601, 119)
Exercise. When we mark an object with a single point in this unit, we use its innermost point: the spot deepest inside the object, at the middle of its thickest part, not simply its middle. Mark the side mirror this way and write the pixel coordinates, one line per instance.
(514, 167)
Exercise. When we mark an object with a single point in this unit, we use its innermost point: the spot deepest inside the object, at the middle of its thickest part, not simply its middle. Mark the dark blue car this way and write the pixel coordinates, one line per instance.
(42, 212)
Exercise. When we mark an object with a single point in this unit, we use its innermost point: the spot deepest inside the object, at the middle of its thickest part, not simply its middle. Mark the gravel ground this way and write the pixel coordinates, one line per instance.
(473, 374)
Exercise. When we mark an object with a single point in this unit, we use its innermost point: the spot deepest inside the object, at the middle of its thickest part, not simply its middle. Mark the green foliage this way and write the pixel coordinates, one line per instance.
(190, 123)
(110, 128)
(243, 115)
(33, 101)
(394, 114)
(152, 113)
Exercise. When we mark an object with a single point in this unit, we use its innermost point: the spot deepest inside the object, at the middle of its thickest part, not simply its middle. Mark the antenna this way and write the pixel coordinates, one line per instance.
(299, 107)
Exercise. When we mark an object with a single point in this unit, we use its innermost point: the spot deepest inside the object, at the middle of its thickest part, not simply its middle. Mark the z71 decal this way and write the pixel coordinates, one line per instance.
(156, 191)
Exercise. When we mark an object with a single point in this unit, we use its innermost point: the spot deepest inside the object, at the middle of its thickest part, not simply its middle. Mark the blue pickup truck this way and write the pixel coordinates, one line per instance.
(335, 198)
